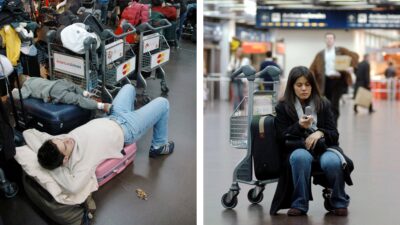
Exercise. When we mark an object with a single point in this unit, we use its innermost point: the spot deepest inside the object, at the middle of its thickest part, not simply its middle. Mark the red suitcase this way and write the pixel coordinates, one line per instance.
(111, 167)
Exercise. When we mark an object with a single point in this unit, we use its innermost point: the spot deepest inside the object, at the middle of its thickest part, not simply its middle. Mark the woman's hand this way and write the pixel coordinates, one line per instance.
(306, 121)
(312, 139)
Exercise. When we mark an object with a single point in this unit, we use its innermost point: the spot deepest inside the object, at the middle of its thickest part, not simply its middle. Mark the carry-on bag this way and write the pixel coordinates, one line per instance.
(265, 150)
(111, 167)
(53, 118)
(363, 97)
(59, 213)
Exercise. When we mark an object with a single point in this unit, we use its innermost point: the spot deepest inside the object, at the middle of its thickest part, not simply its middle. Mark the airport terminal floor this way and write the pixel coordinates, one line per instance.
(371, 140)
(166, 180)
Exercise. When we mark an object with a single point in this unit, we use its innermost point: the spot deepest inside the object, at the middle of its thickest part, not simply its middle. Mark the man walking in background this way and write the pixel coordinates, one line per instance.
(333, 83)
(363, 79)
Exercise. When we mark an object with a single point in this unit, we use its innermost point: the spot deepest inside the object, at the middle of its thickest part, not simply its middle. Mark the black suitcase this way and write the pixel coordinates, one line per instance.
(60, 213)
(52, 118)
(265, 150)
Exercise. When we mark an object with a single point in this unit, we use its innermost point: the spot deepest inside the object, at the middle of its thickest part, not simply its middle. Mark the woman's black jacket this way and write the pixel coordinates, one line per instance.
(286, 122)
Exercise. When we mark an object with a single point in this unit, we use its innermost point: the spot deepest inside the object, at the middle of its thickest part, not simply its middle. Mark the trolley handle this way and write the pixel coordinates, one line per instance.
(126, 27)
(50, 35)
(250, 73)
(90, 43)
(164, 23)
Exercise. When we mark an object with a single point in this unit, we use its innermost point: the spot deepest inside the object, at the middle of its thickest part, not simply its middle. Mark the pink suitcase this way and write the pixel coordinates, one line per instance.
(111, 167)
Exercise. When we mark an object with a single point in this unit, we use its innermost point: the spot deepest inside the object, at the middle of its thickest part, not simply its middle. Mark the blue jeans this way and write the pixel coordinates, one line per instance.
(135, 123)
(104, 10)
(300, 161)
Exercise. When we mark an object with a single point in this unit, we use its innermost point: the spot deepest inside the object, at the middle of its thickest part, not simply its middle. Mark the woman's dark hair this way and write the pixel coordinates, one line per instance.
(49, 156)
(290, 95)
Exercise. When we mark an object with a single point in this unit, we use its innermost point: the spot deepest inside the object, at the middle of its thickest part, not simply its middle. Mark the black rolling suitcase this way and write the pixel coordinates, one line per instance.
(265, 150)
(52, 118)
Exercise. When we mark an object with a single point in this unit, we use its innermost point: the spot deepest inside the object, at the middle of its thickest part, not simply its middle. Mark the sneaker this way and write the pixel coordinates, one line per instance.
(295, 212)
(163, 150)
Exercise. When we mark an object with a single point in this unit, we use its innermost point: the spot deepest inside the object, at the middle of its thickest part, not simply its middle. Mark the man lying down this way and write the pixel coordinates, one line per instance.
(71, 159)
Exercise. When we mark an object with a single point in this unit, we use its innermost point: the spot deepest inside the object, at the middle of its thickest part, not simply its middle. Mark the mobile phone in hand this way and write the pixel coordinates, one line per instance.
(308, 111)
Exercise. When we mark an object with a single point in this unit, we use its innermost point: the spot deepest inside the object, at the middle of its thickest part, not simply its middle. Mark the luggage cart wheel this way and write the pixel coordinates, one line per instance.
(229, 203)
(255, 199)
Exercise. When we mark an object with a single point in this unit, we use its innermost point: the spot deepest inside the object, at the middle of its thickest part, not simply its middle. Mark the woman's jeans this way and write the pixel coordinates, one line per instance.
(300, 161)
(135, 123)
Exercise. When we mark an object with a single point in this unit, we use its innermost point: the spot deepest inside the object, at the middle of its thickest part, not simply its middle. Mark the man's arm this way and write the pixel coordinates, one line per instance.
(354, 56)
(69, 181)
(34, 138)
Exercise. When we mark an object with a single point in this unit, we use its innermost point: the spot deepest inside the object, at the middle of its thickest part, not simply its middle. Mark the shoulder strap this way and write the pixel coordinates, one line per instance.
(261, 126)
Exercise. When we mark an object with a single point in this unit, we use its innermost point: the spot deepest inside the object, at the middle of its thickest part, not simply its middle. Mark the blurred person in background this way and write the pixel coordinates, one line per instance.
(332, 83)
(363, 79)
(237, 60)
(269, 61)
(390, 74)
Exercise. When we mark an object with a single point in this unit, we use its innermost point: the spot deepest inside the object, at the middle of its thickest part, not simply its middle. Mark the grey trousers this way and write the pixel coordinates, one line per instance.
(70, 93)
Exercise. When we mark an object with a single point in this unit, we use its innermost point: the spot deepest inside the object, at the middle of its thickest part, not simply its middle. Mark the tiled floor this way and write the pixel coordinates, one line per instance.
(170, 181)
(370, 140)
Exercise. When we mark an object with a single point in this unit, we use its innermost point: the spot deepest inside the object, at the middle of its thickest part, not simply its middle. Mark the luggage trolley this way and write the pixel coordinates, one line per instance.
(154, 52)
(118, 60)
(240, 137)
(79, 69)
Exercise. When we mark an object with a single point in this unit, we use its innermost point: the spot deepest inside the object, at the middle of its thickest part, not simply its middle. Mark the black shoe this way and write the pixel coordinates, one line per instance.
(295, 212)
(355, 109)
(163, 150)
(371, 111)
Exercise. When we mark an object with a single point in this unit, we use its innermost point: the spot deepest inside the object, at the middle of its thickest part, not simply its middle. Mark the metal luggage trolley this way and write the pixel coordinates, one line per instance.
(118, 60)
(154, 52)
(240, 136)
(79, 69)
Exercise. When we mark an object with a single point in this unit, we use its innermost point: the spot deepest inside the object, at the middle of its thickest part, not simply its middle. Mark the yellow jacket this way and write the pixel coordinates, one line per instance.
(12, 43)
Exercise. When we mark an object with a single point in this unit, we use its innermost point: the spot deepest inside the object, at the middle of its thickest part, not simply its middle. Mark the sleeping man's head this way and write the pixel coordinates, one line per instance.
(55, 152)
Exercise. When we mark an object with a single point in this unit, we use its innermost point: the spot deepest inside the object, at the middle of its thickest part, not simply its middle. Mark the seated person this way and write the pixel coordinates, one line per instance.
(57, 91)
(72, 158)
(318, 142)
(169, 12)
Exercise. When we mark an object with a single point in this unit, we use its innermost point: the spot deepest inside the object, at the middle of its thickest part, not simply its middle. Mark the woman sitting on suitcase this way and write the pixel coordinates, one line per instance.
(72, 158)
(57, 91)
(309, 137)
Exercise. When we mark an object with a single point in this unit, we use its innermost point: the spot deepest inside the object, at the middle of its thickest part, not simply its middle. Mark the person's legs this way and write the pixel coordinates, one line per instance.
(135, 123)
(300, 162)
(332, 167)
(333, 92)
(236, 91)
(182, 19)
(124, 101)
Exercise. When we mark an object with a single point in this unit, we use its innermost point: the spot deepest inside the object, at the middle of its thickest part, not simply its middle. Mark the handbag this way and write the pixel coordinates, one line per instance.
(363, 97)
(295, 142)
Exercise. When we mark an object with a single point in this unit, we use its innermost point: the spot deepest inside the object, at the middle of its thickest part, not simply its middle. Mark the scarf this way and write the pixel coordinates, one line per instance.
(300, 112)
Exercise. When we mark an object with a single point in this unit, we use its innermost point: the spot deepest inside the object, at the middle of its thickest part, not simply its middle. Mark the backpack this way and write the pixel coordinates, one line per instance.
(136, 13)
